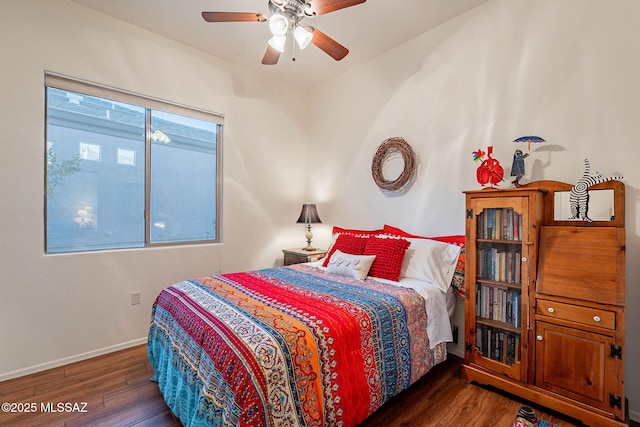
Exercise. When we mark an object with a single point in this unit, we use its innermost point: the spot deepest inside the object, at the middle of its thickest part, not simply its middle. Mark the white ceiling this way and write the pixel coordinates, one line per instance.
(367, 30)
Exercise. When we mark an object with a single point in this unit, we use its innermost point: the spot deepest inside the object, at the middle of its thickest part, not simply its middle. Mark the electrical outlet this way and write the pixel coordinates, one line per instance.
(135, 298)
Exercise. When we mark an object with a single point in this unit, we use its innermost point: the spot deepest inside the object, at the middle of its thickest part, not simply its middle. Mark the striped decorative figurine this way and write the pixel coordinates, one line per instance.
(579, 195)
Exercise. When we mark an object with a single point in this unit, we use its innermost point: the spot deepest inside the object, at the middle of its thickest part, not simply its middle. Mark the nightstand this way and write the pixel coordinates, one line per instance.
(298, 255)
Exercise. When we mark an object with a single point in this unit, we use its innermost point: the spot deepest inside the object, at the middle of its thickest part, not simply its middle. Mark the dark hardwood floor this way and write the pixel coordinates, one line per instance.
(115, 390)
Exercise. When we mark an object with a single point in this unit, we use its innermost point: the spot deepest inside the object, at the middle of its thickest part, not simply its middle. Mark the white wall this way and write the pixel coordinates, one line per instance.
(567, 71)
(54, 309)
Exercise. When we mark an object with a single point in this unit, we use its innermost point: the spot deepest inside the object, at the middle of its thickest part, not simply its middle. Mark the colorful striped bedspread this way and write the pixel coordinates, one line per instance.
(286, 346)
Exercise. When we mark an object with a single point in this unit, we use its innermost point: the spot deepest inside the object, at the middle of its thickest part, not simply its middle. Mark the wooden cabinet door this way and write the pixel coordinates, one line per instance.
(576, 364)
(595, 272)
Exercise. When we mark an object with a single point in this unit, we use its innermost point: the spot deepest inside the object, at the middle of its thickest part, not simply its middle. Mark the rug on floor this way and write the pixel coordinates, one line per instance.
(526, 417)
(521, 422)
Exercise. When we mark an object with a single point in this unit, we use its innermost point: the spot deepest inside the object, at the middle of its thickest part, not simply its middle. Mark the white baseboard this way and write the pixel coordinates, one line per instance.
(71, 359)
(634, 416)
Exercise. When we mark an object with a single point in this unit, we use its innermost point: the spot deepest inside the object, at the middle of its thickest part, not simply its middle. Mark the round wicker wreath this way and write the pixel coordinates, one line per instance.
(385, 151)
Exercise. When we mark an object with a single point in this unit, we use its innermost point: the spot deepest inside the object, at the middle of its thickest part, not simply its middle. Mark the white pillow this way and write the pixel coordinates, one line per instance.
(430, 260)
(355, 266)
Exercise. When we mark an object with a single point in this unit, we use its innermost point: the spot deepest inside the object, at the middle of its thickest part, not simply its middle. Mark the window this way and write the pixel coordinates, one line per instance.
(125, 171)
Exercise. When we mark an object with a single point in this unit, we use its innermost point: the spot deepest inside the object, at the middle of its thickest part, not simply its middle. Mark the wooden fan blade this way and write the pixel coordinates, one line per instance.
(271, 56)
(329, 45)
(320, 7)
(233, 17)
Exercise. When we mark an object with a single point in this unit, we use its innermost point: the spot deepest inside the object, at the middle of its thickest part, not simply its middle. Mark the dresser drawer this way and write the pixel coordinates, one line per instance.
(298, 255)
(585, 315)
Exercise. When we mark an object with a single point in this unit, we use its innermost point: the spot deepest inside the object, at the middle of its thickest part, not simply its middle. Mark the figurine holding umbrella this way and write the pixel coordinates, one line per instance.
(517, 167)
(529, 139)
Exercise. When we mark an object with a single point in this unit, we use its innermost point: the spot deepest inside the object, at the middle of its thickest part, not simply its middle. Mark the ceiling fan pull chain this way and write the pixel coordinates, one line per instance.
(293, 49)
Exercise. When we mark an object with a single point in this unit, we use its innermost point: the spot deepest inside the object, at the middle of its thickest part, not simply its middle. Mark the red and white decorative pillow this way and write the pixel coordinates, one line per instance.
(361, 233)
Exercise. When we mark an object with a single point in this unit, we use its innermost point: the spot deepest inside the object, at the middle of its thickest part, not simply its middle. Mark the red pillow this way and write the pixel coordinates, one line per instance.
(389, 256)
(359, 233)
(399, 232)
(453, 240)
(348, 244)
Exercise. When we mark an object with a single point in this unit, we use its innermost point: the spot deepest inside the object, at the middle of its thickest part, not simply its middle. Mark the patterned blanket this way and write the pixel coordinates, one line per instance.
(286, 346)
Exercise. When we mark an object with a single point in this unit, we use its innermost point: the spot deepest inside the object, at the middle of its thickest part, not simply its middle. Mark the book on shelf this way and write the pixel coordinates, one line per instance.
(498, 345)
(499, 224)
(498, 303)
(502, 264)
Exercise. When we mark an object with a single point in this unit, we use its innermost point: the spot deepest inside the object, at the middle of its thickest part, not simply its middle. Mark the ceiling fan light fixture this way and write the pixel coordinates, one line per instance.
(303, 36)
(278, 24)
(285, 18)
(278, 43)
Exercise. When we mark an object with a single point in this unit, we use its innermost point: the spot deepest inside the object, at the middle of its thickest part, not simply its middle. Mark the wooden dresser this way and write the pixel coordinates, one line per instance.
(544, 312)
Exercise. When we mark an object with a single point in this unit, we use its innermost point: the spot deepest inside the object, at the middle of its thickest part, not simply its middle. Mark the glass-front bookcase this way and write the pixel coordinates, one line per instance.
(501, 250)
(545, 300)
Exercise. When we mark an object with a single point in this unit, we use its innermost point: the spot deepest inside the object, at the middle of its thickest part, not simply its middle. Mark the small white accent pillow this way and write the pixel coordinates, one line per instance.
(431, 260)
(355, 266)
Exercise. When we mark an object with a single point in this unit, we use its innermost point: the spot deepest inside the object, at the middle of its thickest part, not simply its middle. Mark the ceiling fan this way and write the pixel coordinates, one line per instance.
(285, 19)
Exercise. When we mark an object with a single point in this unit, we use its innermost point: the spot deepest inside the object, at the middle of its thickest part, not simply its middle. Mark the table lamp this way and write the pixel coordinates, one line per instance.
(309, 215)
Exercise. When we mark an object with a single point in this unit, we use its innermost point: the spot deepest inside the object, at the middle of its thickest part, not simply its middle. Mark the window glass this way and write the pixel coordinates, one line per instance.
(109, 162)
(183, 178)
(93, 202)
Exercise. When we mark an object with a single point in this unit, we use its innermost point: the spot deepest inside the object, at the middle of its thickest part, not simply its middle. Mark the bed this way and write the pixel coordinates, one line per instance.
(316, 344)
